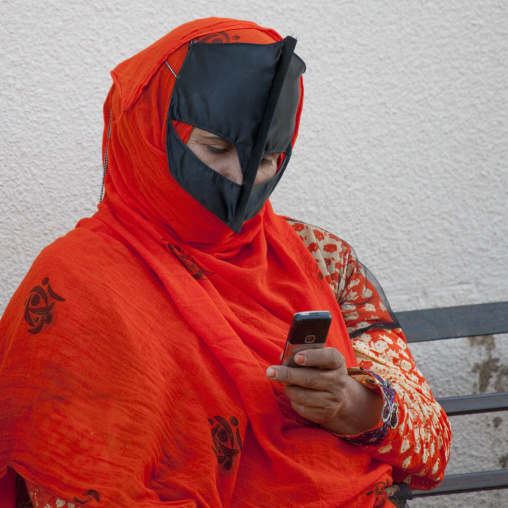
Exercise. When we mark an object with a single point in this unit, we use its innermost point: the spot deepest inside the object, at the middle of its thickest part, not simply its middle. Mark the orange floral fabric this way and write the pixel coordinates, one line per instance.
(419, 446)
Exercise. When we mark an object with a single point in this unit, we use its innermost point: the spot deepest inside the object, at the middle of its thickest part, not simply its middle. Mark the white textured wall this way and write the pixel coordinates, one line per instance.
(403, 148)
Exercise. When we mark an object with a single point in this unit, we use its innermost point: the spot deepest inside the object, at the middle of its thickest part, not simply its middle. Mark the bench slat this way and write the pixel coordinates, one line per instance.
(468, 482)
(472, 404)
(452, 322)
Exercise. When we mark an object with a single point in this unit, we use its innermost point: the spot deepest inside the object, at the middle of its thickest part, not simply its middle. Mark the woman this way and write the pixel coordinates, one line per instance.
(140, 355)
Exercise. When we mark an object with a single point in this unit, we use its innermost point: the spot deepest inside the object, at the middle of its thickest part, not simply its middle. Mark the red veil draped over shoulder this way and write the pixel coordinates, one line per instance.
(133, 355)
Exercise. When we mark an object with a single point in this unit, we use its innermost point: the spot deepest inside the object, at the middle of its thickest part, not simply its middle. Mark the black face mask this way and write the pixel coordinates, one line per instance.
(247, 94)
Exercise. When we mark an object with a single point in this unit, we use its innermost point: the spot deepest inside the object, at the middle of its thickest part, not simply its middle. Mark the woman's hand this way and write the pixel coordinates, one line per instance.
(323, 392)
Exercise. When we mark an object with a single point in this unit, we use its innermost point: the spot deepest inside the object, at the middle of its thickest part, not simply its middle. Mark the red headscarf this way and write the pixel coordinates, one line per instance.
(133, 355)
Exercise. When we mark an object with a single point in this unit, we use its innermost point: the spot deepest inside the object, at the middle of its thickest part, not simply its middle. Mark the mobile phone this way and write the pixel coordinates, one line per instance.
(308, 331)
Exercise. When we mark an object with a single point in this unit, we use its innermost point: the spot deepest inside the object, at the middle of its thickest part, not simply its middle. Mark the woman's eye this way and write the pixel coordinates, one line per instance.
(270, 159)
(216, 150)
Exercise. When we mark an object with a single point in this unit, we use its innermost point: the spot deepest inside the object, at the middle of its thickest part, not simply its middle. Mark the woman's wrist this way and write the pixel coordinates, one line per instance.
(389, 414)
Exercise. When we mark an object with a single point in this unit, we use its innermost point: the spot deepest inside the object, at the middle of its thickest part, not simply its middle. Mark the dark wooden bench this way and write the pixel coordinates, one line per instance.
(454, 322)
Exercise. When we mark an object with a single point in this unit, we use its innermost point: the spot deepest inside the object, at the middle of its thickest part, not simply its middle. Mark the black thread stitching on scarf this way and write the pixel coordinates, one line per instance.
(39, 305)
(91, 494)
(218, 38)
(188, 261)
(227, 442)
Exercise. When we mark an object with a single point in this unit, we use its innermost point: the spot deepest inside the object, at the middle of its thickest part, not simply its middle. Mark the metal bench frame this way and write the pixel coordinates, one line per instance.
(454, 322)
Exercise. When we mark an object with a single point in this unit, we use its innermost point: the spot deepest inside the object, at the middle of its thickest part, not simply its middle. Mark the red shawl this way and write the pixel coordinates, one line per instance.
(133, 355)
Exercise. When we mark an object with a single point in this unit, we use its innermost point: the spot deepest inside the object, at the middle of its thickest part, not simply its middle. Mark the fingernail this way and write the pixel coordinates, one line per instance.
(300, 359)
(271, 372)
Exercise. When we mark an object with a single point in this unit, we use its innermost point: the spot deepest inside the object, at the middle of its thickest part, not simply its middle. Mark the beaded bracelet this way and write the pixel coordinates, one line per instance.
(389, 413)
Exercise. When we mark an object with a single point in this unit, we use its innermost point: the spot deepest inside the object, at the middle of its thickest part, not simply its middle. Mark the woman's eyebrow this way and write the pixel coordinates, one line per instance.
(213, 137)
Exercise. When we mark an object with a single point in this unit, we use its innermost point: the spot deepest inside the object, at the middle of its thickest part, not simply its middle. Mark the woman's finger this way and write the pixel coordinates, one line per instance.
(307, 397)
(313, 378)
(327, 358)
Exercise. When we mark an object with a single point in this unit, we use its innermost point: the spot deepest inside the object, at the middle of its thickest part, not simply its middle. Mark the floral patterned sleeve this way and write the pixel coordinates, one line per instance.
(414, 433)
